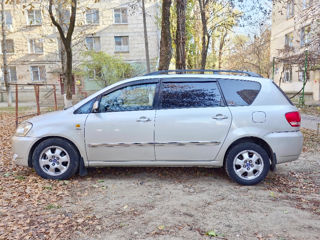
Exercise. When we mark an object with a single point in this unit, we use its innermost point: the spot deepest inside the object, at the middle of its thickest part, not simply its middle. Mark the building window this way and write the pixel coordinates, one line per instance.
(10, 46)
(7, 18)
(120, 15)
(305, 33)
(12, 74)
(92, 16)
(38, 73)
(290, 9)
(34, 17)
(289, 40)
(93, 43)
(36, 46)
(121, 44)
(306, 3)
(301, 74)
(287, 74)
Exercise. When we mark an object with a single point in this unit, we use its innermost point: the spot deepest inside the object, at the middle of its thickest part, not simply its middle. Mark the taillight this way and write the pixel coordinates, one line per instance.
(293, 119)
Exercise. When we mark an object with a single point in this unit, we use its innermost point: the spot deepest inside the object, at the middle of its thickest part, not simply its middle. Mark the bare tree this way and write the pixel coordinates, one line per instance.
(181, 34)
(166, 41)
(66, 39)
(251, 54)
(4, 55)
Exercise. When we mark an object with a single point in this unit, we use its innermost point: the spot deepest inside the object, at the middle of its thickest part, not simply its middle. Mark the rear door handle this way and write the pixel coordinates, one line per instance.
(220, 117)
(143, 119)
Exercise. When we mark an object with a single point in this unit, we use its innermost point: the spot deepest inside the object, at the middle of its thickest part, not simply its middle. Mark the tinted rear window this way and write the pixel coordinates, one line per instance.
(190, 95)
(239, 92)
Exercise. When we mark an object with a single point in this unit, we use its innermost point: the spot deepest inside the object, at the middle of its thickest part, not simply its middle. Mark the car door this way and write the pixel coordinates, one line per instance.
(123, 128)
(192, 121)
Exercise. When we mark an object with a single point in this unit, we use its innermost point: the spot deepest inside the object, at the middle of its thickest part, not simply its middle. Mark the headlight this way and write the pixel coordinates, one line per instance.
(23, 129)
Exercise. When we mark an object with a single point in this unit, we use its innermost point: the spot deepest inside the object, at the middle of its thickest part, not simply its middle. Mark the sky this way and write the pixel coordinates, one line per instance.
(256, 13)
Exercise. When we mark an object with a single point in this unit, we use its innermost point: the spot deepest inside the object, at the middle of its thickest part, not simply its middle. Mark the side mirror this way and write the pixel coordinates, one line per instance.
(95, 107)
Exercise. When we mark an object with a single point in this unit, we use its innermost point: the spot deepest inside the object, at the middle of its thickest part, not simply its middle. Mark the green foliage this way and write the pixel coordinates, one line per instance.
(212, 233)
(104, 69)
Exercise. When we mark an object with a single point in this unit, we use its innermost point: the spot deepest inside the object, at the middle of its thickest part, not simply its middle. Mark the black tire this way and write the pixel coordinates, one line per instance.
(72, 154)
(263, 163)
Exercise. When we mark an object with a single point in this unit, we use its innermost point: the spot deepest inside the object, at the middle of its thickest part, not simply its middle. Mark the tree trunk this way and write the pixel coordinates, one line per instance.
(165, 42)
(221, 46)
(68, 77)
(4, 56)
(67, 43)
(62, 52)
(146, 43)
(205, 34)
(213, 53)
(181, 34)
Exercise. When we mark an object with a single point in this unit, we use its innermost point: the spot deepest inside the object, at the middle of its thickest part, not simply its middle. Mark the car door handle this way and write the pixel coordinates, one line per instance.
(220, 117)
(143, 119)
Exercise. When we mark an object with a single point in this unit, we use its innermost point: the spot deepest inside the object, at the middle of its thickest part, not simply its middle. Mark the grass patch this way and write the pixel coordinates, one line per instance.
(52, 206)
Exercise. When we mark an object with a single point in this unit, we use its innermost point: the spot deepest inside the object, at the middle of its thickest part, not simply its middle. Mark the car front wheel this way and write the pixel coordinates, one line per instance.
(55, 158)
(247, 163)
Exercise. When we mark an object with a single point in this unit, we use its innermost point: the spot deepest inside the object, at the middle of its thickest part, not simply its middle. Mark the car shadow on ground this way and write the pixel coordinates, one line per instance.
(161, 173)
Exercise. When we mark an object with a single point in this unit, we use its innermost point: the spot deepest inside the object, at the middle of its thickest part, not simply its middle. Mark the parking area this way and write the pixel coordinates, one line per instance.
(159, 203)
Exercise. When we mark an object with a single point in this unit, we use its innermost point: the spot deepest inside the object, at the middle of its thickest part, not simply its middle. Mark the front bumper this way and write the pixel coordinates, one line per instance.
(21, 148)
(286, 145)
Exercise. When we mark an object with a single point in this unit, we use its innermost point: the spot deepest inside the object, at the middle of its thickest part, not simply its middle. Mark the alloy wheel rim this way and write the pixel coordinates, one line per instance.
(248, 165)
(54, 160)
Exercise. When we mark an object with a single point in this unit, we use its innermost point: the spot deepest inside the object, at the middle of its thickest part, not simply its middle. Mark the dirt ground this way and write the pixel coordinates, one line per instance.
(160, 203)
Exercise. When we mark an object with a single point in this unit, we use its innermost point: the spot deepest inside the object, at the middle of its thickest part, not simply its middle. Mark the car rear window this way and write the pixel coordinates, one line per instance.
(190, 95)
(239, 92)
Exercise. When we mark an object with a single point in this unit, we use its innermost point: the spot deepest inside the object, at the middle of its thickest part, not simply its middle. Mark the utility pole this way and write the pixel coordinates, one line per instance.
(273, 67)
(4, 55)
(146, 44)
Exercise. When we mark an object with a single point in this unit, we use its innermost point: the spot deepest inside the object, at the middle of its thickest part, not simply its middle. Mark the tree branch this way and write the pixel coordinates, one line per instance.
(72, 19)
(54, 21)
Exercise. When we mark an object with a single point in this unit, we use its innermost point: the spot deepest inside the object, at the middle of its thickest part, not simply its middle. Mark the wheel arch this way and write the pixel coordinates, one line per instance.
(45, 138)
(255, 140)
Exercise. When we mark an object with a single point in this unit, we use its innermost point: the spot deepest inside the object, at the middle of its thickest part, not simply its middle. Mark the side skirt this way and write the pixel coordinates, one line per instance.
(210, 164)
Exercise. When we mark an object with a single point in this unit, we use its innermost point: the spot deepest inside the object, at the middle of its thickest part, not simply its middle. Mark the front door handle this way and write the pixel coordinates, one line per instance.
(143, 119)
(220, 117)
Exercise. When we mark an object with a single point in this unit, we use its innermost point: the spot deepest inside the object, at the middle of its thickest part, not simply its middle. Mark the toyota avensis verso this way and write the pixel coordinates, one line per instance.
(243, 123)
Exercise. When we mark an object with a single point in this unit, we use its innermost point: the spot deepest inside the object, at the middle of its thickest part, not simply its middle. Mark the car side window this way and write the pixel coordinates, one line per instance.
(131, 98)
(239, 92)
(190, 95)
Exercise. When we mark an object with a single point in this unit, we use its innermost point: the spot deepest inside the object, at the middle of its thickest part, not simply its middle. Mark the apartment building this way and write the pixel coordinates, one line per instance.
(294, 27)
(111, 26)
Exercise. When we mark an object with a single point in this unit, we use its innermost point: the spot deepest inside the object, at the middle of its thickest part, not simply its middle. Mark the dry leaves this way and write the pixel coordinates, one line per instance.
(311, 141)
(31, 207)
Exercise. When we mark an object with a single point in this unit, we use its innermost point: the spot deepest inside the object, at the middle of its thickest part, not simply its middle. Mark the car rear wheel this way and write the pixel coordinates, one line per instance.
(55, 158)
(247, 163)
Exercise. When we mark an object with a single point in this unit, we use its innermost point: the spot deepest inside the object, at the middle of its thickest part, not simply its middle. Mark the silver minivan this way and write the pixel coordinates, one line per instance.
(241, 122)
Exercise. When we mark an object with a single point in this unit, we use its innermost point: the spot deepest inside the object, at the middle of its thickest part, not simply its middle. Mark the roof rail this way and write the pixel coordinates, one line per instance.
(213, 71)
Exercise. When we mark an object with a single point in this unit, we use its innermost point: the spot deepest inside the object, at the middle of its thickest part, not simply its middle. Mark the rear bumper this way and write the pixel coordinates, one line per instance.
(286, 145)
(21, 148)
